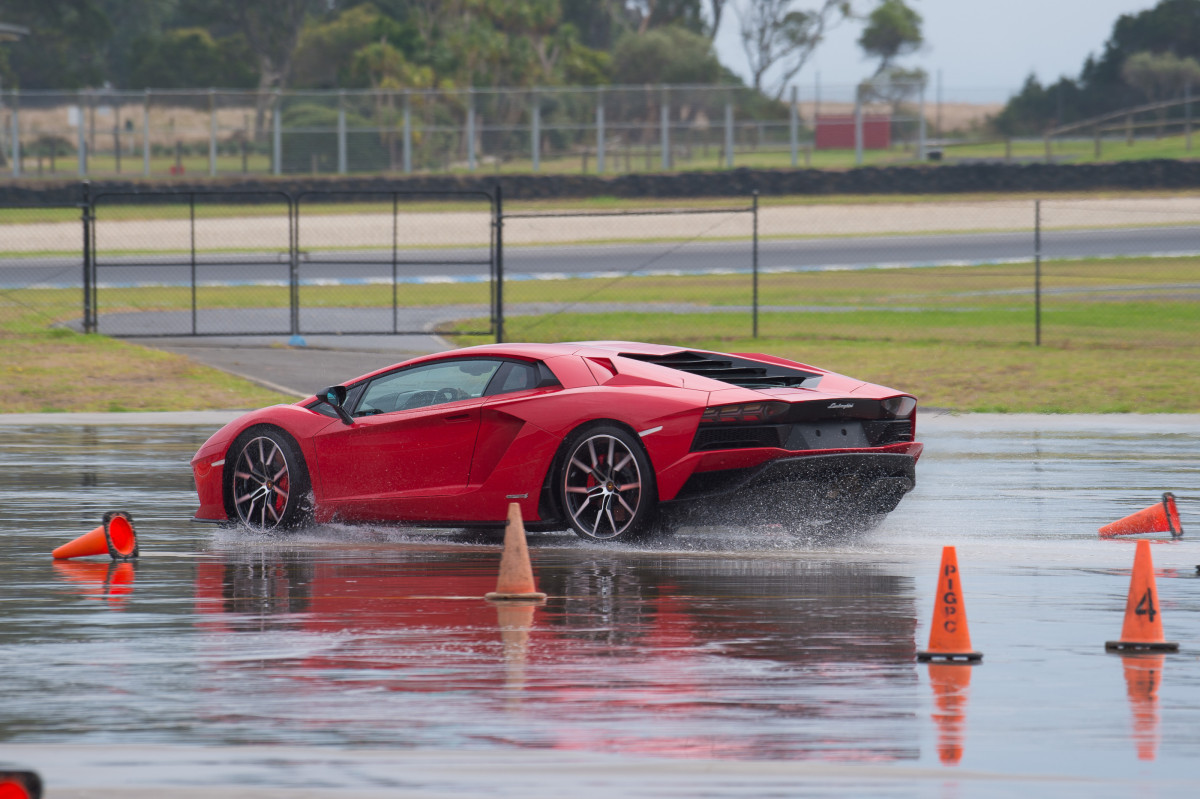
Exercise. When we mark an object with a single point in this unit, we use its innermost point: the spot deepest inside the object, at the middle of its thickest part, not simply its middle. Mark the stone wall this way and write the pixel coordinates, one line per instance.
(942, 179)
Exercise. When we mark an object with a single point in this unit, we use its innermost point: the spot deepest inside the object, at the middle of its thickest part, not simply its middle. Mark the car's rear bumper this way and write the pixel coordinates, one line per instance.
(793, 489)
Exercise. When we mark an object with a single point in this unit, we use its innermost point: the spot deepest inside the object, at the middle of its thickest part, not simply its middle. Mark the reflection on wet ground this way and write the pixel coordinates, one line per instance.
(372, 647)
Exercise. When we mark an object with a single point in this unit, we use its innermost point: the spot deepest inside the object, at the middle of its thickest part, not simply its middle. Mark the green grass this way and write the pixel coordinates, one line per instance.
(1118, 335)
(48, 369)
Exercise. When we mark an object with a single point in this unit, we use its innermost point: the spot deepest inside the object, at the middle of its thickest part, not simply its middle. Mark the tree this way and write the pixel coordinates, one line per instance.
(663, 13)
(65, 47)
(326, 53)
(188, 58)
(1160, 76)
(893, 29)
(271, 29)
(775, 34)
(665, 55)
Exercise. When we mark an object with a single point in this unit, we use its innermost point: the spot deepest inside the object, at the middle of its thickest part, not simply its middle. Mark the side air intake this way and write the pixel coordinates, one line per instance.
(741, 372)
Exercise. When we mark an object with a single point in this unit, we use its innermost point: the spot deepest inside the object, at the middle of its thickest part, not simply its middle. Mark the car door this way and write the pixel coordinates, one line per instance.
(413, 436)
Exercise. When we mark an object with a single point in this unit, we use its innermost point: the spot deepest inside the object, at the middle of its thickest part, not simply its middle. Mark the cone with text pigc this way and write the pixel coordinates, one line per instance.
(949, 639)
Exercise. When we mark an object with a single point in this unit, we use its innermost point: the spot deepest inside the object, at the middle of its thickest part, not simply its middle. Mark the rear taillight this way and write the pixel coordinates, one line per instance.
(898, 407)
(744, 413)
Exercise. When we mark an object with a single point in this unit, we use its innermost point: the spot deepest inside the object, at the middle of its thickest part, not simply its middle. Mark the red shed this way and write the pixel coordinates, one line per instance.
(836, 131)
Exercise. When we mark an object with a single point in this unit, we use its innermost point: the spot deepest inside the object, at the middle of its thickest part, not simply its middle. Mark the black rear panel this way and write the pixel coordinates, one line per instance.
(828, 424)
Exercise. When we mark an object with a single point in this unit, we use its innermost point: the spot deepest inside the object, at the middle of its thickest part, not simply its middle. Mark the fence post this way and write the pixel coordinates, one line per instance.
(536, 132)
(499, 265)
(858, 126)
(341, 132)
(729, 134)
(116, 130)
(471, 129)
(146, 134)
(192, 239)
(89, 310)
(794, 126)
(294, 271)
(600, 132)
(407, 132)
(754, 260)
(921, 145)
(664, 115)
(16, 136)
(277, 134)
(1037, 272)
(1187, 114)
(1096, 142)
(81, 152)
(212, 133)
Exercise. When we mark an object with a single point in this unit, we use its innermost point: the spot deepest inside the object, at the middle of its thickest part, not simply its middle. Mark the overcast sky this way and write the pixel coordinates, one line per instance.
(984, 48)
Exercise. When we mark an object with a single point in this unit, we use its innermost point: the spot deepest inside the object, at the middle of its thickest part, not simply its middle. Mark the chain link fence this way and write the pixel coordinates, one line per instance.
(588, 130)
(42, 266)
(1108, 272)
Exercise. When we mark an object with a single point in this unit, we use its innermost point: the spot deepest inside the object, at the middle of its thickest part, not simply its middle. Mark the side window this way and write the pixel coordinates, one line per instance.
(513, 377)
(427, 384)
(519, 376)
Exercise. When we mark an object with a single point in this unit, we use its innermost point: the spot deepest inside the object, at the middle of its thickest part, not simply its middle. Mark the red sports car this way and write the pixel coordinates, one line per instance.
(613, 439)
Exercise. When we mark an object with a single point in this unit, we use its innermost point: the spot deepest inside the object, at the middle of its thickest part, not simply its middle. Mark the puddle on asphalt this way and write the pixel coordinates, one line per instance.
(733, 645)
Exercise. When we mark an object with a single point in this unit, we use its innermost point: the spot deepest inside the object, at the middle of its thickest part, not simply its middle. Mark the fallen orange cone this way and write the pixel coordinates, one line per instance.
(115, 538)
(20, 785)
(1142, 630)
(949, 638)
(112, 581)
(516, 571)
(1162, 517)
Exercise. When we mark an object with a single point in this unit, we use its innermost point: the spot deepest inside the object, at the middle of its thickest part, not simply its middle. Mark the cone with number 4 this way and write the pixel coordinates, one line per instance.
(949, 638)
(1142, 631)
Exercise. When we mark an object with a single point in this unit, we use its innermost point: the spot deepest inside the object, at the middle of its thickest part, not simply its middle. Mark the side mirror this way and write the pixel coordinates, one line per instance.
(334, 396)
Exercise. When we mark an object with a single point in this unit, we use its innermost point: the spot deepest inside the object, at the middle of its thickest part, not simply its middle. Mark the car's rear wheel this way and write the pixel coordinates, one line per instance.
(606, 485)
(268, 488)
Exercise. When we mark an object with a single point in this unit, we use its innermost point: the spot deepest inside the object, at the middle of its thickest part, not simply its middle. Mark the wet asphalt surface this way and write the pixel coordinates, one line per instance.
(362, 661)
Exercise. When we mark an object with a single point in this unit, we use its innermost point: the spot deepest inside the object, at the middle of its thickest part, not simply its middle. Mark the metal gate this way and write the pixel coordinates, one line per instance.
(247, 263)
(397, 262)
(195, 263)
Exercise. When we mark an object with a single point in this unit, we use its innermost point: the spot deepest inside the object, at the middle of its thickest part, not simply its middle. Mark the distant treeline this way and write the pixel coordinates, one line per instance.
(1150, 56)
(357, 44)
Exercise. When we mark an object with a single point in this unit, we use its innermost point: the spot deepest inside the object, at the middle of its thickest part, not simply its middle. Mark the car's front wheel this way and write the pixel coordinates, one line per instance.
(268, 486)
(607, 485)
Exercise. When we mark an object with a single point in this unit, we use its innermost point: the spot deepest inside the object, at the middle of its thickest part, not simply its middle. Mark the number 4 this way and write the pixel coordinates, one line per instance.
(1145, 606)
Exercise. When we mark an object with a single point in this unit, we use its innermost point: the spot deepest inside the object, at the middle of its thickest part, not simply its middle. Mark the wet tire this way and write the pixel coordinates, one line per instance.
(606, 485)
(267, 487)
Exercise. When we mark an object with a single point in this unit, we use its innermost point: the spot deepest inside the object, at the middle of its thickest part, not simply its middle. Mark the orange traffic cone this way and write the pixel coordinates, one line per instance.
(1160, 518)
(20, 785)
(1142, 630)
(949, 638)
(1143, 673)
(950, 682)
(115, 538)
(516, 571)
